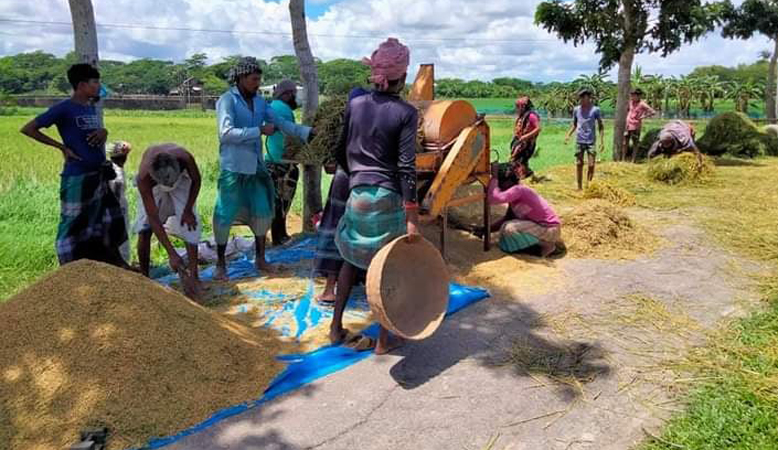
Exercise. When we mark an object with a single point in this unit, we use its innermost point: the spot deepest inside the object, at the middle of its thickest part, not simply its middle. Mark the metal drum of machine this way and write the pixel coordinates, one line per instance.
(453, 150)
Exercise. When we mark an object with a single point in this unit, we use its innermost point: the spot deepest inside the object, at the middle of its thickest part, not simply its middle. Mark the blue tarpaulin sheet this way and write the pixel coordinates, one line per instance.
(305, 313)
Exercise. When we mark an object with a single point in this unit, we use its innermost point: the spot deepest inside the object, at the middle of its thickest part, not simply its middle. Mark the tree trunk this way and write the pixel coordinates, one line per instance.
(622, 100)
(85, 36)
(772, 78)
(312, 203)
(84, 31)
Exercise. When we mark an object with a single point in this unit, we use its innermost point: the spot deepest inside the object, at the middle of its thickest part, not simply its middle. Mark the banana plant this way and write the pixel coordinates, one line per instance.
(744, 93)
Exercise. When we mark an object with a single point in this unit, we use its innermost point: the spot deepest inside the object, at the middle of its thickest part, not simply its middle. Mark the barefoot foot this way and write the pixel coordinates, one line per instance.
(220, 274)
(389, 345)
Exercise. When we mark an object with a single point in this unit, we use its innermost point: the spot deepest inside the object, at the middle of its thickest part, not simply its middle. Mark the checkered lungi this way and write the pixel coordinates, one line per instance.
(91, 216)
(374, 217)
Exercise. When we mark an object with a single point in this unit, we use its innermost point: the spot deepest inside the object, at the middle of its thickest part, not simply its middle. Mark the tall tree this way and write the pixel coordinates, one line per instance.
(751, 17)
(621, 29)
(85, 35)
(311, 174)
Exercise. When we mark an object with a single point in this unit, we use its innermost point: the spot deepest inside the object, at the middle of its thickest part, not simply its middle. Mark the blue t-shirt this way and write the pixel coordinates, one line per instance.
(75, 122)
(587, 123)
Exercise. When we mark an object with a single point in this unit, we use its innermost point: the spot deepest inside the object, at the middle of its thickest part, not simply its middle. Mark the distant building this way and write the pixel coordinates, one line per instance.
(189, 88)
(267, 92)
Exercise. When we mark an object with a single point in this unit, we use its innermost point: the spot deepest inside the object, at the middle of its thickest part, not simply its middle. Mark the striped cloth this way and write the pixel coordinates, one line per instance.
(374, 217)
(243, 200)
(91, 218)
(517, 235)
(328, 260)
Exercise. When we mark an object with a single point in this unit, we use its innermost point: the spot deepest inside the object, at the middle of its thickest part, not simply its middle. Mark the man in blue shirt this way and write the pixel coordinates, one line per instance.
(245, 193)
(585, 117)
(92, 223)
(283, 173)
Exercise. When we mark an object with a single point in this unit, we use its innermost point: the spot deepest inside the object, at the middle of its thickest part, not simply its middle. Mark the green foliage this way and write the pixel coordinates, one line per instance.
(339, 76)
(751, 17)
(616, 25)
(743, 73)
(735, 134)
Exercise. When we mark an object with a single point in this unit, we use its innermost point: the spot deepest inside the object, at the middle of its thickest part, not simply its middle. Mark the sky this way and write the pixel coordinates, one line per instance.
(464, 38)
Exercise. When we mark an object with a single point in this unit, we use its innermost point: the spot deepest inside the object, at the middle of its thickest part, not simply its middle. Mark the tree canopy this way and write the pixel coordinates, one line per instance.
(661, 26)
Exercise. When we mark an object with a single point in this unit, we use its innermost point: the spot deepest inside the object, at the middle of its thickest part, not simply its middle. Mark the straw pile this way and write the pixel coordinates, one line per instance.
(328, 123)
(735, 134)
(683, 168)
(95, 345)
(599, 229)
(606, 191)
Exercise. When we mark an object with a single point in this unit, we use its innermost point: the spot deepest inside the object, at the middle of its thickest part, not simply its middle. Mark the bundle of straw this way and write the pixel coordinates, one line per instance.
(328, 123)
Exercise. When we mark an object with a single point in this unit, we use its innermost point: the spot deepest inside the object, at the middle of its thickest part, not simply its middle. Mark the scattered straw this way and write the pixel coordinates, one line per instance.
(607, 191)
(571, 364)
(683, 168)
(599, 229)
(91, 344)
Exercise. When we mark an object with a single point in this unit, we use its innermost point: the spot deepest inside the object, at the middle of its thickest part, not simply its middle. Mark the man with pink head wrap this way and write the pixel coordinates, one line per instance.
(378, 151)
(388, 63)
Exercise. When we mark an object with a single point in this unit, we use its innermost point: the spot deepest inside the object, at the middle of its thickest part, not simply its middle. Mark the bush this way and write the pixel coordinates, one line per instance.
(735, 134)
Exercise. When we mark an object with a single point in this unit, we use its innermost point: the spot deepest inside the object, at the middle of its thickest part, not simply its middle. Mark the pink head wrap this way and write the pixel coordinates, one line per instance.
(389, 62)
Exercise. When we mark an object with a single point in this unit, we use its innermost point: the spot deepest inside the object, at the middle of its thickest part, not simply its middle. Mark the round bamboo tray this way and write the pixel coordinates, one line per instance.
(407, 288)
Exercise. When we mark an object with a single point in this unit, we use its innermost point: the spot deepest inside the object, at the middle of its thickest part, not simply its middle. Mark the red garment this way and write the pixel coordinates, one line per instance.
(524, 126)
(636, 115)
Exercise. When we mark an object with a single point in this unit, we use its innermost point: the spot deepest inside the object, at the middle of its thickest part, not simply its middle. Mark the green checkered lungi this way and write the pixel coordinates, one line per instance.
(374, 217)
(243, 200)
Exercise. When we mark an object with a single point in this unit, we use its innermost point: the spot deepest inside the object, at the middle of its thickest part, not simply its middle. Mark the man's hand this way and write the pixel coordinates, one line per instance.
(69, 154)
(177, 264)
(311, 134)
(567, 140)
(188, 218)
(412, 224)
(98, 137)
(268, 129)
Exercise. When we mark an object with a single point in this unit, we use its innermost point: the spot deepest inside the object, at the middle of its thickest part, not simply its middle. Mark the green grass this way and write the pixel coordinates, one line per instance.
(737, 408)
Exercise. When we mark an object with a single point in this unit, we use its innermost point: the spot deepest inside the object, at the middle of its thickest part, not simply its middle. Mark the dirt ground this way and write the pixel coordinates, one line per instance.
(569, 353)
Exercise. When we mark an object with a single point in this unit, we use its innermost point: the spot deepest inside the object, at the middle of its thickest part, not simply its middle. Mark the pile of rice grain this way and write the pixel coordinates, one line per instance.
(600, 229)
(606, 191)
(91, 344)
(683, 168)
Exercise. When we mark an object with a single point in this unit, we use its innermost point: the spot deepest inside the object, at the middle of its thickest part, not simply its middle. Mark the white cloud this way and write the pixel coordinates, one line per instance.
(464, 39)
